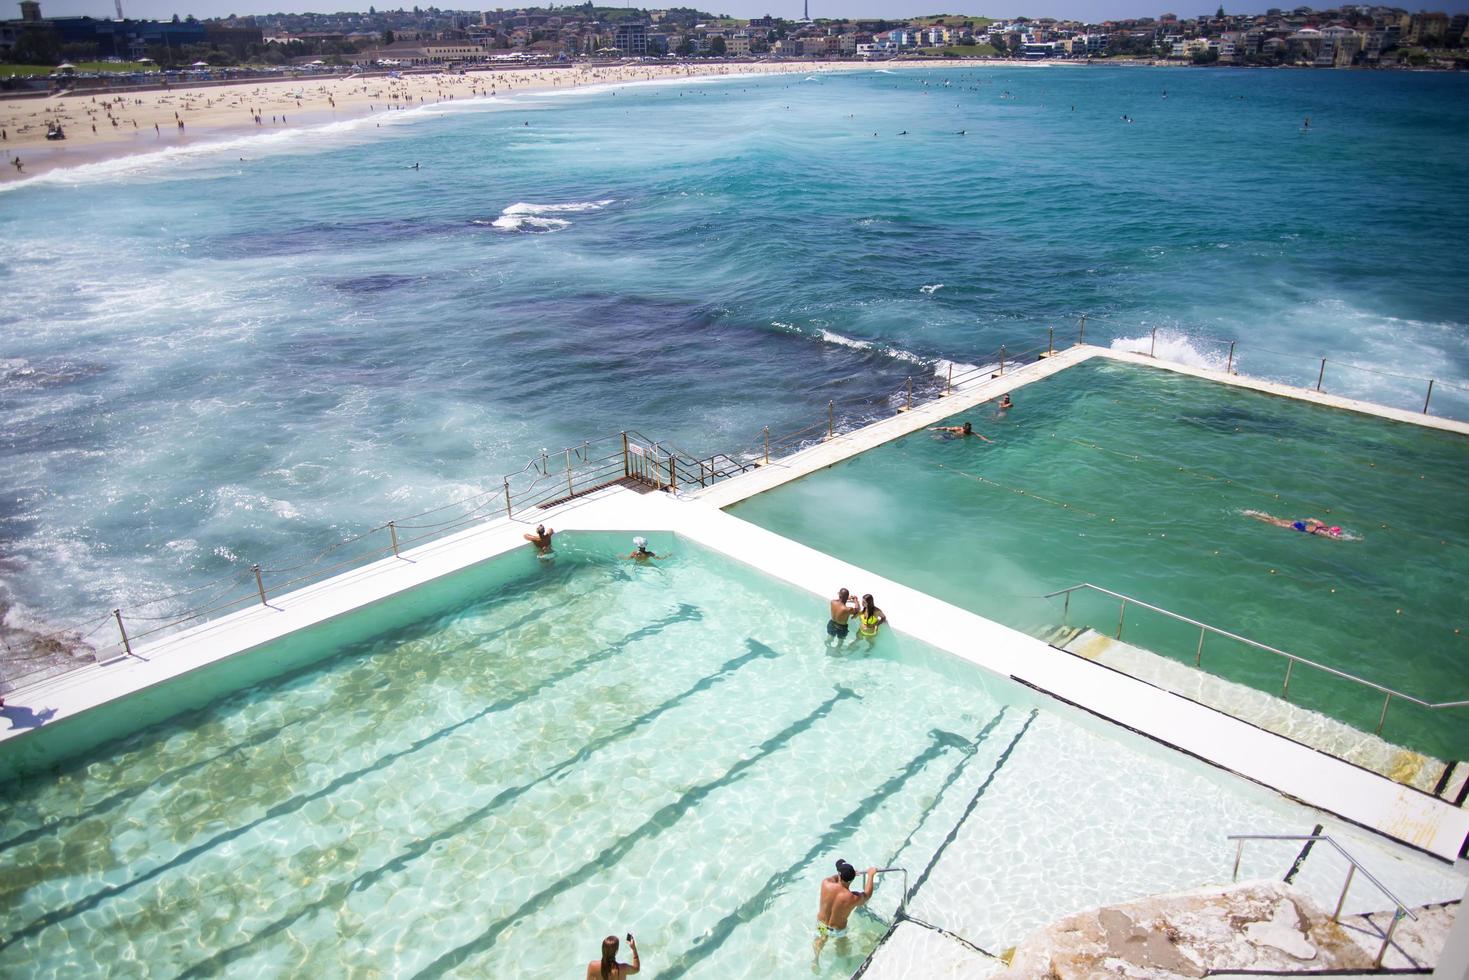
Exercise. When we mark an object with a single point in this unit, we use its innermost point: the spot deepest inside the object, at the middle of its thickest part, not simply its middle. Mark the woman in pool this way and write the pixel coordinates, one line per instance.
(1311, 525)
(869, 618)
(607, 968)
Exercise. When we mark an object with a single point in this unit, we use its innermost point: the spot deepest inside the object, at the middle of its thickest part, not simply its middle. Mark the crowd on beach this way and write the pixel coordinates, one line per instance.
(118, 124)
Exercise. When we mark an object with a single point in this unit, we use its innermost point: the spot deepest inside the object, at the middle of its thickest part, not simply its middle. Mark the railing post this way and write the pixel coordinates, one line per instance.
(1336, 916)
(1050, 341)
(767, 445)
(393, 531)
(1066, 611)
(626, 469)
(1386, 700)
(126, 645)
(949, 384)
(672, 472)
(1285, 690)
(1229, 368)
(1121, 615)
(570, 490)
(1081, 338)
(1425, 397)
(508, 512)
(1002, 358)
(1239, 852)
(1153, 346)
(1322, 375)
(831, 418)
(1199, 653)
(1397, 916)
(259, 584)
(908, 407)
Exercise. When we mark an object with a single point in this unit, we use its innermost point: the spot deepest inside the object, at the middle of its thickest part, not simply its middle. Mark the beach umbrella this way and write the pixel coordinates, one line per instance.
(200, 64)
(66, 66)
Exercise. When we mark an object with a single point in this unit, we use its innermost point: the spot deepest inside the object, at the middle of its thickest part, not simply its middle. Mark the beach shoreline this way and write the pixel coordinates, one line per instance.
(102, 127)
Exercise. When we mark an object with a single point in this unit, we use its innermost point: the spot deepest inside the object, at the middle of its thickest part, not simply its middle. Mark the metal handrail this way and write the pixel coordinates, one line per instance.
(1399, 910)
(1204, 629)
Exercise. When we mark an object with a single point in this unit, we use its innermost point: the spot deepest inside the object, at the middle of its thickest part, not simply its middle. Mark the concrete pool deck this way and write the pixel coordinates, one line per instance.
(1295, 770)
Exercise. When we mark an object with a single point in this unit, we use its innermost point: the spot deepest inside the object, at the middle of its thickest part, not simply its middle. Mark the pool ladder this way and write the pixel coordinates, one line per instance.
(1399, 911)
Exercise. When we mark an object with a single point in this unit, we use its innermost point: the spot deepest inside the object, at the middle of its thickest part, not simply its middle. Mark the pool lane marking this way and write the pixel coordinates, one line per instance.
(940, 741)
(110, 803)
(1301, 857)
(953, 776)
(973, 802)
(661, 820)
(685, 613)
(1024, 493)
(334, 896)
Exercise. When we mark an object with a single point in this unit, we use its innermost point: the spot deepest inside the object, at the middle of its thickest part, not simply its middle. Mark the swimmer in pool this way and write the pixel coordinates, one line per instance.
(967, 429)
(541, 539)
(640, 552)
(1005, 403)
(837, 904)
(1311, 525)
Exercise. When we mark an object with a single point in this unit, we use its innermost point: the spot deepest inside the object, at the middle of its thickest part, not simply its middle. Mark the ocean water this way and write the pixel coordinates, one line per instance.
(245, 353)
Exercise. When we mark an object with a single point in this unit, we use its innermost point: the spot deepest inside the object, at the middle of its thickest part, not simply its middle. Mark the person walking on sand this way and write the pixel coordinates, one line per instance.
(842, 608)
(607, 968)
(836, 905)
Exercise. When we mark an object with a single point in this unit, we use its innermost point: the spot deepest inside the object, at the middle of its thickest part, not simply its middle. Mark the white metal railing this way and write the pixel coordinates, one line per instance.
(1291, 659)
(1399, 911)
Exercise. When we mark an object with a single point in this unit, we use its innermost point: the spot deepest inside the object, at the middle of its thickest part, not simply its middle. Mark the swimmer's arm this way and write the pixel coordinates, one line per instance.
(871, 883)
(982, 437)
(531, 538)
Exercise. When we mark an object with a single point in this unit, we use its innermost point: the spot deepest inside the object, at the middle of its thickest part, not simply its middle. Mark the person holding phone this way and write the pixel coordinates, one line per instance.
(607, 968)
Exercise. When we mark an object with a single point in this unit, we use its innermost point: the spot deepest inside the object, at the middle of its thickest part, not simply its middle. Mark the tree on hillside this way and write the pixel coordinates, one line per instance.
(388, 38)
(717, 47)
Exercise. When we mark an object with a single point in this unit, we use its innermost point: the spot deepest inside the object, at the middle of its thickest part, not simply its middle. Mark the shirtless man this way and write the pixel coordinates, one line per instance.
(842, 608)
(967, 429)
(541, 539)
(837, 904)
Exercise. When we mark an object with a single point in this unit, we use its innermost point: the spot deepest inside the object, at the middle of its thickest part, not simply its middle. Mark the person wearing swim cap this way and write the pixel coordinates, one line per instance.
(640, 552)
(837, 904)
(1311, 525)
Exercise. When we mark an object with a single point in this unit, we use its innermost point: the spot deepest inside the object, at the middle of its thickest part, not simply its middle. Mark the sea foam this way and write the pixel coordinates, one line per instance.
(523, 216)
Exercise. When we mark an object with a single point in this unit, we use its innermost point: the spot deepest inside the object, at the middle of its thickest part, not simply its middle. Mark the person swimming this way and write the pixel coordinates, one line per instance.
(640, 552)
(959, 431)
(1311, 525)
(1005, 403)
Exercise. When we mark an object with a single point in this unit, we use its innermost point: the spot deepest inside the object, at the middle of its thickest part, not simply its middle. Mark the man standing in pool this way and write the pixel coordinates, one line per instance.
(842, 608)
(960, 431)
(541, 539)
(837, 904)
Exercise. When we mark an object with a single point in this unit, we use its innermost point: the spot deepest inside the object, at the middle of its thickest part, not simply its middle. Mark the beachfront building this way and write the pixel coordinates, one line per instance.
(1339, 46)
(631, 38)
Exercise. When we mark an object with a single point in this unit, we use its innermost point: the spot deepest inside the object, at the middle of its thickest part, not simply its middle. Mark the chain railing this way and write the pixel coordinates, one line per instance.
(554, 477)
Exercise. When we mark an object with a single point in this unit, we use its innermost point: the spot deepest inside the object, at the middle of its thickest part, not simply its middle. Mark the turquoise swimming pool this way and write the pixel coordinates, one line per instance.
(1143, 481)
(531, 755)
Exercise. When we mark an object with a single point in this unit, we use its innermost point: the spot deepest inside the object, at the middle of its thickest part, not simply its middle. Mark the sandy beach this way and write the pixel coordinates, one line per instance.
(108, 125)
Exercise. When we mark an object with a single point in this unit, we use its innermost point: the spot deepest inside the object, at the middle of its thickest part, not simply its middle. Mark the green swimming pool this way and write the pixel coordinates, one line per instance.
(1143, 481)
(527, 756)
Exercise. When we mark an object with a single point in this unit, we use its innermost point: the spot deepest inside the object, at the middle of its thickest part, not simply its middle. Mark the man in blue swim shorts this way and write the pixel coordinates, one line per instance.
(842, 608)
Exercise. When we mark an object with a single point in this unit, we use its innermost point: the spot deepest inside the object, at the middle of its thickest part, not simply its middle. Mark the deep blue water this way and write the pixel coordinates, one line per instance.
(209, 361)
